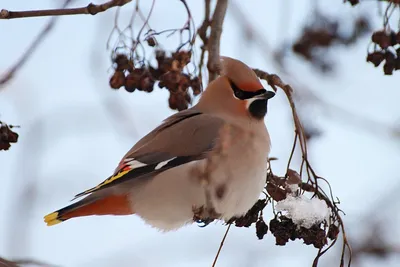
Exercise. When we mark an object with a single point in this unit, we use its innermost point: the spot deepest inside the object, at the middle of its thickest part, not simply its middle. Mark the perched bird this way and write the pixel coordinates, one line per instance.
(209, 161)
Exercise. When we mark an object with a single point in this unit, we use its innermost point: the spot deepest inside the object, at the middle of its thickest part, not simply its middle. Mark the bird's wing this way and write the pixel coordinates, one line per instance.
(181, 138)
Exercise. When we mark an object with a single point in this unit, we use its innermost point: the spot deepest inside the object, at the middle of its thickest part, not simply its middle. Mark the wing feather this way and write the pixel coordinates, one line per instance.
(184, 137)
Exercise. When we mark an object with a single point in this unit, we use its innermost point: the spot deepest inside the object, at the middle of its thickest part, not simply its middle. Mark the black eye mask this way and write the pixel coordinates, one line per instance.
(243, 95)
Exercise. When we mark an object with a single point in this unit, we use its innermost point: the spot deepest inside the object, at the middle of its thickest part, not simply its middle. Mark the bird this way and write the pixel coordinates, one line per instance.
(206, 162)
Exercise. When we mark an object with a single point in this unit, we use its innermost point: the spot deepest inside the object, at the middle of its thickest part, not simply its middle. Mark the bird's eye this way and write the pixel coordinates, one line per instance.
(238, 93)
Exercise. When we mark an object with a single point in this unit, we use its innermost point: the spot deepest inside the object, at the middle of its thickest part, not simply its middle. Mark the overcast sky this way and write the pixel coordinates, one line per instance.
(75, 129)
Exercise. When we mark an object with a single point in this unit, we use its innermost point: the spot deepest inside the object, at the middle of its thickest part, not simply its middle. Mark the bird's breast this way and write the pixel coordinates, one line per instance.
(241, 174)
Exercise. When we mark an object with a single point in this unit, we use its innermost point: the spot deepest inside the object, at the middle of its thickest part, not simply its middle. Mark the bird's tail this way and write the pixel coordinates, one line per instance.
(109, 205)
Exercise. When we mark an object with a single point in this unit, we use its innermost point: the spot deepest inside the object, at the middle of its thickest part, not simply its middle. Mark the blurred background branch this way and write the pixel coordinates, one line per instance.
(65, 147)
(9, 74)
(90, 9)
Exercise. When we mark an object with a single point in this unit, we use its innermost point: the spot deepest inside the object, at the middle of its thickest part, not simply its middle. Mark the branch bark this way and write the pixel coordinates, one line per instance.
(90, 9)
(214, 40)
(18, 263)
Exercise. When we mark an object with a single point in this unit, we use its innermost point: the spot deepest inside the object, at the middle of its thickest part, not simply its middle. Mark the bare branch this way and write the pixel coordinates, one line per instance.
(274, 81)
(202, 32)
(6, 263)
(17, 263)
(215, 37)
(221, 245)
(90, 9)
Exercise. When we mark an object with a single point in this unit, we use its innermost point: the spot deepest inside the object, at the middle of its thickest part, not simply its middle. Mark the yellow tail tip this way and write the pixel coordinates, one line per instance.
(52, 219)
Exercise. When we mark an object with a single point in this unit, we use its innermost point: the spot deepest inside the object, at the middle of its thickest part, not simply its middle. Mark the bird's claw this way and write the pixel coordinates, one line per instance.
(204, 215)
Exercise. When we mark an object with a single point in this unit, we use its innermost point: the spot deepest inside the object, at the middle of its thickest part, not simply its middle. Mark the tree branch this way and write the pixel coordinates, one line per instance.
(18, 263)
(215, 37)
(90, 9)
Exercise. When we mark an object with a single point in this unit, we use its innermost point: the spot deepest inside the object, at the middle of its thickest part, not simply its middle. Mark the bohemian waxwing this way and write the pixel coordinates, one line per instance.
(209, 160)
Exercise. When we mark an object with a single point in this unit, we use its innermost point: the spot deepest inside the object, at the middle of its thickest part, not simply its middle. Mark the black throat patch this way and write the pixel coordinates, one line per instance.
(258, 108)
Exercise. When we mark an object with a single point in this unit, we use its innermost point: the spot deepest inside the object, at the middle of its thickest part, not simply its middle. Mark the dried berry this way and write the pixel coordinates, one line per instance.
(160, 55)
(275, 192)
(182, 57)
(397, 63)
(181, 103)
(303, 49)
(388, 68)
(155, 73)
(7, 136)
(381, 38)
(273, 225)
(354, 2)
(146, 83)
(187, 97)
(389, 56)
(165, 65)
(117, 80)
(161, 84)
(393, 38)
(4, 145)
(122, 62)
(251, 216)
(184, 82)
(378, 36)
(171, 80)
(376, 58)
(132, 81)
(173, 101)
(151, 41)
(293, 177)
(196, 85)
(333, 232)
(307, 187)
(261, 228)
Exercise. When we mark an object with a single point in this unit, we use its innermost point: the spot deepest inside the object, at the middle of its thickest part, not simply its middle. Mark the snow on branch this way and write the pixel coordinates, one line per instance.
(303, 211)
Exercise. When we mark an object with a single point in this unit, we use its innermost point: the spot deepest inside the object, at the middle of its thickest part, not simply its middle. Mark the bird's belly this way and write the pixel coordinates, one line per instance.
(242, 184)
(167, 200)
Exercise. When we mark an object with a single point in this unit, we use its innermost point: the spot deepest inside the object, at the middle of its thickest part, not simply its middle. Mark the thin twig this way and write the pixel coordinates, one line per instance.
(274, 81)
(292, 152)
(202, 32)
(19, 262)
(214, 40)
(221, 245)
(90, 9)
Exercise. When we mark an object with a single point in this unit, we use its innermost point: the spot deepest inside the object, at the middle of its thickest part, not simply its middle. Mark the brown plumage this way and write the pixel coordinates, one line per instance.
(161, 178)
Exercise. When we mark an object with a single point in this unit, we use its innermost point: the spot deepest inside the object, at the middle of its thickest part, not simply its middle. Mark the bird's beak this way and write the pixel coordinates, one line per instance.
(267, 95)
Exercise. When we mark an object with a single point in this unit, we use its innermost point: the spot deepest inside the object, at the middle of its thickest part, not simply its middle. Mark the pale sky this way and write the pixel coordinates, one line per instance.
(69, 140)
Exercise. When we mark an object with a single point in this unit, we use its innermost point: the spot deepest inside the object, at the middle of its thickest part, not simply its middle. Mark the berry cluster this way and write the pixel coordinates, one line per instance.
(322, 34)
(284, 229)
(7, 136)
(387, 43)
(253, 216)
(355, 2)
(169, 73)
